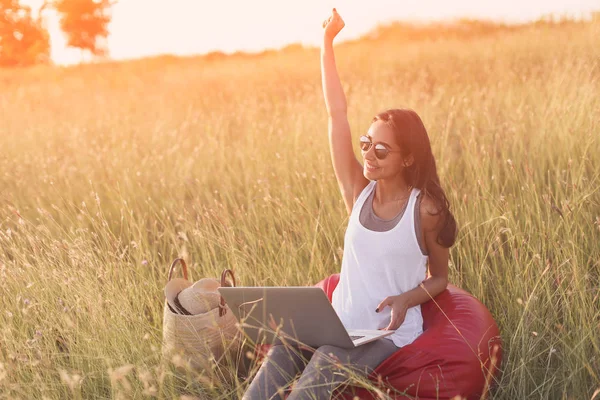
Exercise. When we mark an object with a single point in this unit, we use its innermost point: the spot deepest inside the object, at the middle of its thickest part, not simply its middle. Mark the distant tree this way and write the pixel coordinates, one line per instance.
(85, 22)
(23, 39)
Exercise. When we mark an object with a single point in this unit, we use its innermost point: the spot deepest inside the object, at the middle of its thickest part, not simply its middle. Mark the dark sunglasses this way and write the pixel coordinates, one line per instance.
(381, 151)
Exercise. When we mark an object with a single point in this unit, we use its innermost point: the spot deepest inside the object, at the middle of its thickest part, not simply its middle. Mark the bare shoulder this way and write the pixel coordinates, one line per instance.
(429, 211)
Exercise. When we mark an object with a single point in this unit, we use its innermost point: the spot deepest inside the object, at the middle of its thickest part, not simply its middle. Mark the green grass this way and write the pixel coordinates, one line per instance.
(109, 172)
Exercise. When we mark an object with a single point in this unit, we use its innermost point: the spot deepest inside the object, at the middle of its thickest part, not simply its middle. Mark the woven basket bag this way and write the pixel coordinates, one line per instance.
(201, 339)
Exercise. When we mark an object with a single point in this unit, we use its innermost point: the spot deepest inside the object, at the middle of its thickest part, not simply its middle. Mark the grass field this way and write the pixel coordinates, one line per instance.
(108, 172)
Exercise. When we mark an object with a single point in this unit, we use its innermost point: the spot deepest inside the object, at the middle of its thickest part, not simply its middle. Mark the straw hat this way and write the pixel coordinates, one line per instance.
(191, 299)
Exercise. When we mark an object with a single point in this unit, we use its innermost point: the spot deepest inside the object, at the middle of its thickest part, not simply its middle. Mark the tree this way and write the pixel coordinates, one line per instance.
(84, 22)
(23, 39)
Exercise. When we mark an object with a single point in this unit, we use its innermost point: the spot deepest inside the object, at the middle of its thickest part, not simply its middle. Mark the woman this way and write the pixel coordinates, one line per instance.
(399, 222)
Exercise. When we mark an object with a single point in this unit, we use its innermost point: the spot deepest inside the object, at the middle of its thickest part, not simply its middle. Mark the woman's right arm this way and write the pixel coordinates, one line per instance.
(348, 171)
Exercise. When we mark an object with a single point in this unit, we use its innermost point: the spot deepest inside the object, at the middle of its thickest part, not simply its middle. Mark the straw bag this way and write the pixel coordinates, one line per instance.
(200, 339)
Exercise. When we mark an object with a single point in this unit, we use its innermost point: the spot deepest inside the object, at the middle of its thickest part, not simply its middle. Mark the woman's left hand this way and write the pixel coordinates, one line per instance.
(399, 305)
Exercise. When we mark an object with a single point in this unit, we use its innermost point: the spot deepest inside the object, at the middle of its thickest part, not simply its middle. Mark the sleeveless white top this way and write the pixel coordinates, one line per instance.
(376, 265)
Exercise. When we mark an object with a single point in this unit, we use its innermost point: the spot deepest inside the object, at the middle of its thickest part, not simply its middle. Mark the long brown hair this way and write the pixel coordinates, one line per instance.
(412, 138)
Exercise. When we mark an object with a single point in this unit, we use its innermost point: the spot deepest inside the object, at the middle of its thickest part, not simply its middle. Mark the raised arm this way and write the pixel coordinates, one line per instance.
(348, 171)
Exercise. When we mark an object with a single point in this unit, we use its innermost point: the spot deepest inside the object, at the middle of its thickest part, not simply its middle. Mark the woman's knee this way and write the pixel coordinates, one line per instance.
(329, 349)
(281, 352)
(276, 349)
(329, 353)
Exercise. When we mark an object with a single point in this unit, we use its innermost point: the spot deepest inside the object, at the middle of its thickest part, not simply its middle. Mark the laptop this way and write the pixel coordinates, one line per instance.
(302, 314)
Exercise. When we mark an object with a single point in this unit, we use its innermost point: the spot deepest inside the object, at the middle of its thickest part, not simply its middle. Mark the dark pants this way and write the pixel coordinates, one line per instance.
(320, 376)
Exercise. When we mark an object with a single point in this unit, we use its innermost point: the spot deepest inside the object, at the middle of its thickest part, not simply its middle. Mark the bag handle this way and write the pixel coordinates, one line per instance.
(184, 268)
(222, 309)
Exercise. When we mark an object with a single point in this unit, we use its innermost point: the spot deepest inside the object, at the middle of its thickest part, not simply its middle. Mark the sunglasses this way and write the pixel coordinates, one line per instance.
(381, 151)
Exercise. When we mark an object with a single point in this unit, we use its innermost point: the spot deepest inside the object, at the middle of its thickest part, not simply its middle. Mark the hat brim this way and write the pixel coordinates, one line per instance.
(172, 289)
(198, 301)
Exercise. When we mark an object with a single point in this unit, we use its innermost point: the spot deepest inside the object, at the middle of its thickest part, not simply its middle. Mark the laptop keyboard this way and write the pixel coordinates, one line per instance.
(355, 337)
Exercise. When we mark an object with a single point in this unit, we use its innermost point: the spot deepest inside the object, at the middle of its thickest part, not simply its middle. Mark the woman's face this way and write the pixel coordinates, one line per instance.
(382, 137)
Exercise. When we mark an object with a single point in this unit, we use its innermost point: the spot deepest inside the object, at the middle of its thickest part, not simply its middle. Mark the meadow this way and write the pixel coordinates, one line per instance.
(108, 172)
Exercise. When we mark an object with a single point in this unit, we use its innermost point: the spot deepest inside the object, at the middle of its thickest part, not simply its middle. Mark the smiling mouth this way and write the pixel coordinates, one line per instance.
(371, 167)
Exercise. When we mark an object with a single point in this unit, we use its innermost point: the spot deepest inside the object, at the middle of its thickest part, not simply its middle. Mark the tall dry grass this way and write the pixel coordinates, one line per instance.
(108, 172)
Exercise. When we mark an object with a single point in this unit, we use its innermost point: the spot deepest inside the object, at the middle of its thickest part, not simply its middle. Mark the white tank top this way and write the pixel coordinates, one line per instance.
(376, 265)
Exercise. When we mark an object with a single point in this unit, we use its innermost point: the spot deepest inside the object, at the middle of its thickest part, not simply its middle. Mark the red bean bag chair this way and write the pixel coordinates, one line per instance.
(459, 352)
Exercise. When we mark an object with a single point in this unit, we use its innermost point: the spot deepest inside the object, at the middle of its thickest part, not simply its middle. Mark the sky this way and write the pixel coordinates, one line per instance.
(186, 27)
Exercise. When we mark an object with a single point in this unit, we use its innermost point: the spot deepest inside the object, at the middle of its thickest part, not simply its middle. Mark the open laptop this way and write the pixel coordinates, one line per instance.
(301, 313)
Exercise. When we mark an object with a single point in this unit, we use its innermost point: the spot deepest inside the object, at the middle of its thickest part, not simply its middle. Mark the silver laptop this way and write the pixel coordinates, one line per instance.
(303, 314)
